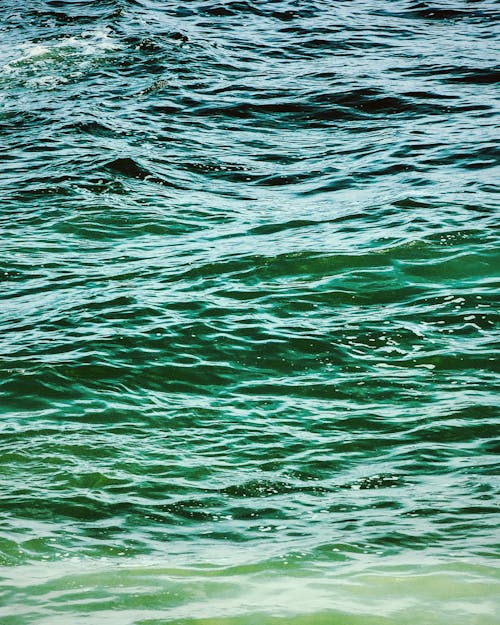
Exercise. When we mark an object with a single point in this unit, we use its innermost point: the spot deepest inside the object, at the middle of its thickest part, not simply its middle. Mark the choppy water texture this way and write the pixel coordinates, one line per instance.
(247, 320)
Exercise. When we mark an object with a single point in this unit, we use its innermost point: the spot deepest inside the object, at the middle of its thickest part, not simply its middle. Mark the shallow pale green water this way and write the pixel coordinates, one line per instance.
(249, 313)
(272, 592)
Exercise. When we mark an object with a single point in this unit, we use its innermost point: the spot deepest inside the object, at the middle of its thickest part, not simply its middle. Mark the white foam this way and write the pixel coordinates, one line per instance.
(58, 59)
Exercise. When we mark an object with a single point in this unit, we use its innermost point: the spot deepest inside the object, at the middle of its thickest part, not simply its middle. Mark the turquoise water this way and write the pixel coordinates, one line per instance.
(249, 313)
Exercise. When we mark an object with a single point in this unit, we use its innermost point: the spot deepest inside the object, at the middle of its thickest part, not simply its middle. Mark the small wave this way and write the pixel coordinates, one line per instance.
(427, 11)
(131, 169)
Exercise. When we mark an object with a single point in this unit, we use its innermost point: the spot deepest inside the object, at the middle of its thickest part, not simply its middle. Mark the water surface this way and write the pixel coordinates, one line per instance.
(249, 312)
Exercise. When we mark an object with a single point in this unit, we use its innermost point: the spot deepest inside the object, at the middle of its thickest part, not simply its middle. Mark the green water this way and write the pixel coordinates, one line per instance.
(272, 592)
(249, 313)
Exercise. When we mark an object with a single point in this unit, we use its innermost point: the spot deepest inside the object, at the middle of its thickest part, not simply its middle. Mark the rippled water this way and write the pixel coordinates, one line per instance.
(248, 312)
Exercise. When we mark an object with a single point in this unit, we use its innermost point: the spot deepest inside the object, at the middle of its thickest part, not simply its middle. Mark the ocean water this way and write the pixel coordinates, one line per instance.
(249, 312)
